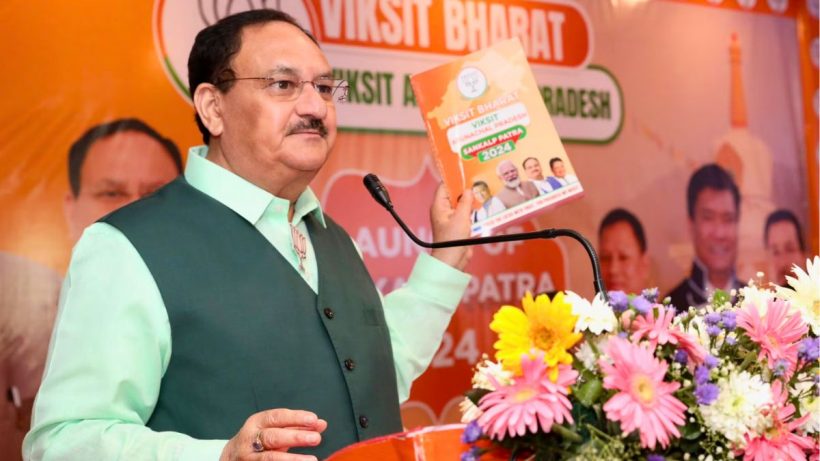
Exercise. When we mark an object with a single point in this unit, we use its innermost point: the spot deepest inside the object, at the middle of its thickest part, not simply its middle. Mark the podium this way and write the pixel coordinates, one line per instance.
(434, 443)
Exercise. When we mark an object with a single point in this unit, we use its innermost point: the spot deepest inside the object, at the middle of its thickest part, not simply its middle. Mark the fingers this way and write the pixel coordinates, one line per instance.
(279, 439)
(283, 456)
(450, 223)
(465, 203)
(281, 417)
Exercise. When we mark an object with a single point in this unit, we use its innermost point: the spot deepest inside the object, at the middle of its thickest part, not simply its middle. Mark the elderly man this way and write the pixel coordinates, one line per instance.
(110, 165)
(514, 192)
(226, 316)
(545, 185)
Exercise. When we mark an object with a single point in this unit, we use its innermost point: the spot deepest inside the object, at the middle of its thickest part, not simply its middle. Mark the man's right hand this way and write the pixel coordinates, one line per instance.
(278, 431)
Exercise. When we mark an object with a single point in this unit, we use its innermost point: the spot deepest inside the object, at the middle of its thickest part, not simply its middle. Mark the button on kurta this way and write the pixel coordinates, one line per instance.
(350, 364)
(363, 421)
(329, 313)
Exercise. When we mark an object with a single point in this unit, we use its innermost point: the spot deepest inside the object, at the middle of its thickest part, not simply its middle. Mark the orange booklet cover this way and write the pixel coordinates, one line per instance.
(491, 132)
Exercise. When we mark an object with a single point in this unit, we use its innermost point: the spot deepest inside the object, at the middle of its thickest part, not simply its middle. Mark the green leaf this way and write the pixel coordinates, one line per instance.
(720, 298)
(566, 433)
(691, 431)
(589, 392)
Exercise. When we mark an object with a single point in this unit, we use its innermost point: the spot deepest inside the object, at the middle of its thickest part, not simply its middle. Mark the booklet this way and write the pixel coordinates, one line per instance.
(490, 132)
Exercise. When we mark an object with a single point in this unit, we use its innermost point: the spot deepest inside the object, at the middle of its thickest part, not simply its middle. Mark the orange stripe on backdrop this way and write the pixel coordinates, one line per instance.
(807, 32)
(69, 66)
(772, 7)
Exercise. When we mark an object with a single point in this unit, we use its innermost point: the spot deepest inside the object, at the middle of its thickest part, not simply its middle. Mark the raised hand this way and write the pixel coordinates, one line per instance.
(450, 223)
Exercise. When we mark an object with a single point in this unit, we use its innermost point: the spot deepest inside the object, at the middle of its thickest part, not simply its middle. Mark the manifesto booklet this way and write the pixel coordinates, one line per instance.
(491, 132)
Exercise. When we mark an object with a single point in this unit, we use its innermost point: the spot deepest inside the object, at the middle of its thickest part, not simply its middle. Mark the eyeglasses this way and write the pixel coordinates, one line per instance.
(288, 90)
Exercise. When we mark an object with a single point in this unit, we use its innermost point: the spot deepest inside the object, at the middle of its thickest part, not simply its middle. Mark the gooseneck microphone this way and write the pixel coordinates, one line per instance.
(380, 194)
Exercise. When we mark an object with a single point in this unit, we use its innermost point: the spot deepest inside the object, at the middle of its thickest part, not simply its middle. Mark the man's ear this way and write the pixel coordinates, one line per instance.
(207, 101)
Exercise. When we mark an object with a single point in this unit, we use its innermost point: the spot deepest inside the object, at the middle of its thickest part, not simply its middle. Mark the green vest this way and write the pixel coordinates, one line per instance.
(248, 333)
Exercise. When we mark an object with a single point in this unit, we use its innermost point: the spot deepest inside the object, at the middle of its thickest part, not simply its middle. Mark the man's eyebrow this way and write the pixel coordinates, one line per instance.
(106, 182)
(295, 73)
(282, 69)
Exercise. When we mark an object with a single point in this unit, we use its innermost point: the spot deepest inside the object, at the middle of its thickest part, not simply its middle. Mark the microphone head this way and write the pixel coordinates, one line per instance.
(377, 190)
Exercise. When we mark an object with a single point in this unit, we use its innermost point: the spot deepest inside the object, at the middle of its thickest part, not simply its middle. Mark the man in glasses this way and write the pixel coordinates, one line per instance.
(226, 316)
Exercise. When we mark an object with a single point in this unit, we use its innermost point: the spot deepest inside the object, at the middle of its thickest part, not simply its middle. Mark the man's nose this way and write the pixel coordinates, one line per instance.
(310, 102)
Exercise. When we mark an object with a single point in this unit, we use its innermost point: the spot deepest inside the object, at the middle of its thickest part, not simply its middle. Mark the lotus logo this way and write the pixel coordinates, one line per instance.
(176, 23)
(471, 82)
(211, 11)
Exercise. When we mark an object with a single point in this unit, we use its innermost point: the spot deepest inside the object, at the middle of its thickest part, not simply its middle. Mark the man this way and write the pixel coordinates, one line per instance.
(784, 244)
(110, 165)
(514, 192)
(713, 204)
(113, 164)
(481, 194)
(232, 319)
(560, 172)
(622, 251)
(532, 167)
(487, 203)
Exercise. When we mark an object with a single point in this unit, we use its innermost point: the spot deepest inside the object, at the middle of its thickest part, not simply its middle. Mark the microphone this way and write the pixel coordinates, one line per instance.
(380, 194)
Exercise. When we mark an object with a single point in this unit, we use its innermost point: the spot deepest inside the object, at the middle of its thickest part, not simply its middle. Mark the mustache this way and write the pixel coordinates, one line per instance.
(309, 124)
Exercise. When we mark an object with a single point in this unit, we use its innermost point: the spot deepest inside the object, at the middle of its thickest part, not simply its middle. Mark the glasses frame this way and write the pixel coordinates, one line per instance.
(337, 84)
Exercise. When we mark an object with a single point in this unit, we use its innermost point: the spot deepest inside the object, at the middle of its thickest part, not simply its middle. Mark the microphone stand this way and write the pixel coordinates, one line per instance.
(379, 193)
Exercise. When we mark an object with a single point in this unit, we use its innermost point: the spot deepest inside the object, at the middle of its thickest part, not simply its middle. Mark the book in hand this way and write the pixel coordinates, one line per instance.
(490, 132)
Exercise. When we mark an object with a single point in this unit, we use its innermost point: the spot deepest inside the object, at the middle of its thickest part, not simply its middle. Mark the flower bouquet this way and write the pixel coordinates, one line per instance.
(634, 379)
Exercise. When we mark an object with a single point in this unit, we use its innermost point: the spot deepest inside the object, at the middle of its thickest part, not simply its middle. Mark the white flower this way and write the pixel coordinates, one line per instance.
(469, 411)
(596, 317)
(697, 329)
(804, 293)
(481, 380)
(754, 295)
(489, 368)
(811, 405)
(738, 407)
(586, 354)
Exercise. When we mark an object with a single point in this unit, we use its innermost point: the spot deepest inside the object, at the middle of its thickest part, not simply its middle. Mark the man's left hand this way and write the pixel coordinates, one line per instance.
(451, 224)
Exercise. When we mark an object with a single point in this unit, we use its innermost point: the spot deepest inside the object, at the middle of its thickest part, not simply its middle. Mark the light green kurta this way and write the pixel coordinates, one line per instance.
(112, 340)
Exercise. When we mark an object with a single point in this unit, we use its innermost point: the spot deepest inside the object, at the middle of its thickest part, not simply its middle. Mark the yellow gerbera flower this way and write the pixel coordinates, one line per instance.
(544, 325)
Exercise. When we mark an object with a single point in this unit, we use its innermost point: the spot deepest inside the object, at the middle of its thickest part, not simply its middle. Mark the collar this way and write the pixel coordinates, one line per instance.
(243, 197)
(700, 277)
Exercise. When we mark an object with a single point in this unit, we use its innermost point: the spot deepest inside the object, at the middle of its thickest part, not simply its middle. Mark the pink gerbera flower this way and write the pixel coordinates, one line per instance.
(533, 400)
(778, 332)
(780, 441)
(645, 402)
(694, 350)
(656, 330)
(660, 331)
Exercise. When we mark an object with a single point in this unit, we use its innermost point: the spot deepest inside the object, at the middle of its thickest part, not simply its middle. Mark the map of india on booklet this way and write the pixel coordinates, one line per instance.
(491, 132)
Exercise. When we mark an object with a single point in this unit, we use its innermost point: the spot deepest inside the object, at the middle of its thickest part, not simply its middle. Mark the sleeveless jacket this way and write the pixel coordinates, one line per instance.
(248, 333)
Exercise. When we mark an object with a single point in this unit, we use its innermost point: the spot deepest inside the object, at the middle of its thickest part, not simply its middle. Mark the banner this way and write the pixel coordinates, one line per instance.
(642, 93)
